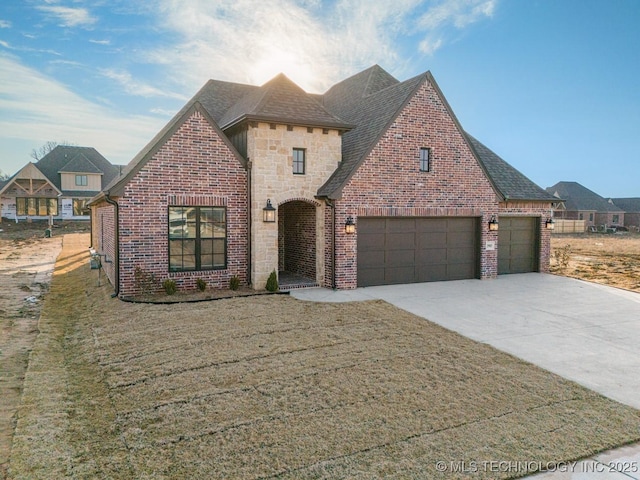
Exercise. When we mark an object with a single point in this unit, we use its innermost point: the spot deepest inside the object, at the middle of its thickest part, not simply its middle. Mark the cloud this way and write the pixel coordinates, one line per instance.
(314, 43)
(436, 20)
(5, 24)
(9, 46)
(428, 46)
(35, 108)
(70, 17)
(100, 42)
(459, 13)
(137, 88)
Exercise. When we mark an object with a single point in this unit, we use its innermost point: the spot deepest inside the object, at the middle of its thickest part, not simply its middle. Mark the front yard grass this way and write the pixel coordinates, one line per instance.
(271, 387)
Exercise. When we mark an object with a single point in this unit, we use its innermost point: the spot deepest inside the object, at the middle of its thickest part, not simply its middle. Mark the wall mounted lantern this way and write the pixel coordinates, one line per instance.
(269, 212)
(550, 224)
(350, 226)
(493, 224)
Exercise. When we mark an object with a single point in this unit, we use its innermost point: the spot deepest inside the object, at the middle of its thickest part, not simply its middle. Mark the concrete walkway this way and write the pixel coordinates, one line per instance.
(585, 332)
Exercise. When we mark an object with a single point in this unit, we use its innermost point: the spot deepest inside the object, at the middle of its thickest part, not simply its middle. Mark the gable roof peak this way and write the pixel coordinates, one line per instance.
(280, 77)
(280, 100)
(364, 83)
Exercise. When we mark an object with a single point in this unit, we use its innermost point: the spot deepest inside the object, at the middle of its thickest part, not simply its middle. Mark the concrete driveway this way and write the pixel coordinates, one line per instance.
(582, 331)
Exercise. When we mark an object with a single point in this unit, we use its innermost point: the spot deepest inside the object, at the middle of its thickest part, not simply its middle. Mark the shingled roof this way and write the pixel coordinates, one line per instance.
(631, 204)
(511, 184)
(67, 158)
(371, 100)
(363, 107)
(80, 164)
(227, 104)
(577, 197)
(281, 100)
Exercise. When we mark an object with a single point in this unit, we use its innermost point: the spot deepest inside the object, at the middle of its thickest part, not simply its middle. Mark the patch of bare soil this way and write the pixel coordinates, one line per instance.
(272, 387)
(609, 259)
(26, 262)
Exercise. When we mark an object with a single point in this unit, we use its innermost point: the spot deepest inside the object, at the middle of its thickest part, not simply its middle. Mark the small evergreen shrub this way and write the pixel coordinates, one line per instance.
(272, 282)
(169, 286)
(234, 283)
(201, 284)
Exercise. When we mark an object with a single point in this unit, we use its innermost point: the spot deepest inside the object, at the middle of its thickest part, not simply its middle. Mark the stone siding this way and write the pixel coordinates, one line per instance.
(271, 153)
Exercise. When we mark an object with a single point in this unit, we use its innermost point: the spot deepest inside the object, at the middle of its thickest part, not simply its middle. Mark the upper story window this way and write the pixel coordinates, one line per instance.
(299, 161)
(81, 180)
(425, 154)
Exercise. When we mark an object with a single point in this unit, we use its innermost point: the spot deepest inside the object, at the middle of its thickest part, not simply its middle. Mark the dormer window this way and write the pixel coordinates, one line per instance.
(81, 180)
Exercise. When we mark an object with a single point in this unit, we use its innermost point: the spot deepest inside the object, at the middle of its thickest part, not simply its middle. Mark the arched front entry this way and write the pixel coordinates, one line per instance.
(297, 235)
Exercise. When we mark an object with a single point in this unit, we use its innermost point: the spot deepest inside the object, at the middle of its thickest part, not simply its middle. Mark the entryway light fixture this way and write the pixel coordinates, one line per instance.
(269, 212)
(350, 226)
(493, 223)
(550, 224)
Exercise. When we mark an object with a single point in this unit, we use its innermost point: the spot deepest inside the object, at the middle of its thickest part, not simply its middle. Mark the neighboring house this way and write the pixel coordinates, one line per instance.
(374, 182)
(580, 203)
(59, 185)
(631, 207)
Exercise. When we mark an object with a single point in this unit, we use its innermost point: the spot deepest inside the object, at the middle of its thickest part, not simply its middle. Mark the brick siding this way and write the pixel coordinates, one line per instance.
(193, 167)
(103, 237)
(297, 242)
(390, 183)
(533, 209)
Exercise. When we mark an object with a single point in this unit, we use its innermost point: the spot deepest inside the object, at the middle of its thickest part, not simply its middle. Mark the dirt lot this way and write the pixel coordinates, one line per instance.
(26, 263)
(272, 387)
(610, 259)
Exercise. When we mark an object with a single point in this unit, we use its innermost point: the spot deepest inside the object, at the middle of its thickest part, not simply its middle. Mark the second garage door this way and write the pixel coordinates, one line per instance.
(518, 245)
(408, 250)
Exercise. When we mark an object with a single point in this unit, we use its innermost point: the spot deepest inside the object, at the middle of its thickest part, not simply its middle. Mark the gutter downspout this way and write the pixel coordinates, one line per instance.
(116, 222)
(249, 209)
(332, 205)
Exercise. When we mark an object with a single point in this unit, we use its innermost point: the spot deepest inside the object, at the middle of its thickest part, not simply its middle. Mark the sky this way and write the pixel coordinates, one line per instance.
(552, 86)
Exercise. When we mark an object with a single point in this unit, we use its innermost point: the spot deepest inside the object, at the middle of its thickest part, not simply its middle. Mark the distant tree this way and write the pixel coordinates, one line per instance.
(37, 154)
(4, 176)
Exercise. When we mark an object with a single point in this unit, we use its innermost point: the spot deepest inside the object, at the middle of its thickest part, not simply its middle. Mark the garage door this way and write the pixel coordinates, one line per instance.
(518, 245)
(408, 250)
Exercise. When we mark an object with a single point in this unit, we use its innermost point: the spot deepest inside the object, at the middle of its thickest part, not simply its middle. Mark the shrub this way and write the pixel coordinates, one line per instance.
(562, 256)
(169, 286)
(201, 284)
(145, 283)
(272, 282)
(234, 283)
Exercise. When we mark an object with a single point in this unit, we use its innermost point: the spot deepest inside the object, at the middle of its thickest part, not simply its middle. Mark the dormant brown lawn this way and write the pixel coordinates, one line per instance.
(610, 259)
(272, 387)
